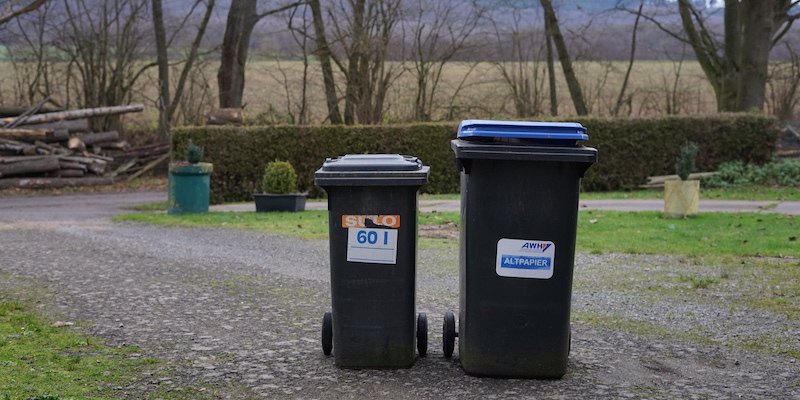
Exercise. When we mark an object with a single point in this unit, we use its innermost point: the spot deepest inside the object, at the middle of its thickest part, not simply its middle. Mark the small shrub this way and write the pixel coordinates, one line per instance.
(193, 153)
(279, 178)
(737, 173)
(685, 163)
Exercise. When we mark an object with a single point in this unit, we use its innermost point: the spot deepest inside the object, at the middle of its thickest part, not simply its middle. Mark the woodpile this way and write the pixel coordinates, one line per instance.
(58, 149)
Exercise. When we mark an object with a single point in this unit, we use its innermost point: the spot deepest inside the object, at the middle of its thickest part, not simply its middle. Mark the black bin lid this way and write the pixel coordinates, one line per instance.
(372, 170)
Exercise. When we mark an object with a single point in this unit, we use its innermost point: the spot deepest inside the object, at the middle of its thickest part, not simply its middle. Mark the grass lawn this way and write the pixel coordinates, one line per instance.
(714, 234)
(44, 361)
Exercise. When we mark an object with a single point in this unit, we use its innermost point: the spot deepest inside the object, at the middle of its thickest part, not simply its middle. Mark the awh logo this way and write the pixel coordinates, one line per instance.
(535, 246)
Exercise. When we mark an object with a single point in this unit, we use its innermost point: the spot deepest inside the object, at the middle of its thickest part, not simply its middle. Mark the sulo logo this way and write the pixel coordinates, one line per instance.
(370, 221)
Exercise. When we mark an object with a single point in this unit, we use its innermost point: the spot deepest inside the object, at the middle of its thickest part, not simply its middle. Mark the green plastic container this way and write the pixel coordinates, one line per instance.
(189, 188)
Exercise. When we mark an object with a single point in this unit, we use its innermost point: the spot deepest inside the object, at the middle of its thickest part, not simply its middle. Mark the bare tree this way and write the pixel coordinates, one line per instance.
(10, 9)
(736, 64)
(167, 104)
(551, 69)
(34, 62)
(621, 99)
(242, 18)
(784, 83)
(436, 41)
(105, 41)
(554, 31)
(518, 63)
(360, 32)
(325, 54)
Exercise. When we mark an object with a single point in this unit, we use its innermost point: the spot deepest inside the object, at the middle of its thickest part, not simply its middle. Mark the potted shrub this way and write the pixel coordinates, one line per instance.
(682, 196)
(189, 182)
(279, 189)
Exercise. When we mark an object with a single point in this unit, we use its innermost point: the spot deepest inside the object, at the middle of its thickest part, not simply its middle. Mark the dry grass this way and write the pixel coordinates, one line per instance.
(483, 93)
(274, 92)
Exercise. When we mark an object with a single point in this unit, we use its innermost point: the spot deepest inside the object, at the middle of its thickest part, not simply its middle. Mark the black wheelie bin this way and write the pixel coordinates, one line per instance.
(519, 207)
(372, 211)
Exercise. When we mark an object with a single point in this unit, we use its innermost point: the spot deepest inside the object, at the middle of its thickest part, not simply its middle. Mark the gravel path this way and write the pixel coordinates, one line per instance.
(239, 313)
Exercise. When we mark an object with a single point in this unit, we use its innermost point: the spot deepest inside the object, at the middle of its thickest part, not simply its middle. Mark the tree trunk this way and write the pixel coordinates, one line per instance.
(242, 18)
(323, 52)
(758, 19)
(354, 74)
(563, 56)
(162, 57)
(551, 69)
(738, 70)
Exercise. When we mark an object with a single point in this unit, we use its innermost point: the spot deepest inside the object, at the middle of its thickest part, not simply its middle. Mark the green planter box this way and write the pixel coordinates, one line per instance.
(189, 188)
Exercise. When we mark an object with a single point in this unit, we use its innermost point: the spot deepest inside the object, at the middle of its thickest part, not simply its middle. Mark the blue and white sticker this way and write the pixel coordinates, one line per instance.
(525, 258)
(370, 245)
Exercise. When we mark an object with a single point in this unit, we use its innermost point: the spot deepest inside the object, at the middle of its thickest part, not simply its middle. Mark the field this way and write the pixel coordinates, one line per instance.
(274, 91)
(479, 91)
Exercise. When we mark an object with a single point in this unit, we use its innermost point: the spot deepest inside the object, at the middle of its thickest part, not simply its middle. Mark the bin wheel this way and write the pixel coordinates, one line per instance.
(422, 334)
(449, 334)
(569, 341)
(327, 334)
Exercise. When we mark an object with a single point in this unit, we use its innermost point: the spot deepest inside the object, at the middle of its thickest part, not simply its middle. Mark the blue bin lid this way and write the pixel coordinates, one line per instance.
(561, 131)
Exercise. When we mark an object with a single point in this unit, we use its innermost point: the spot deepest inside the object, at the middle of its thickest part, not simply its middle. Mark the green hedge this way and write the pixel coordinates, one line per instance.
(629, 149)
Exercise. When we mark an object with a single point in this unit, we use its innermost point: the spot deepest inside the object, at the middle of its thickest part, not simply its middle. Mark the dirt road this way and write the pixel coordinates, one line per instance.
(238, 313)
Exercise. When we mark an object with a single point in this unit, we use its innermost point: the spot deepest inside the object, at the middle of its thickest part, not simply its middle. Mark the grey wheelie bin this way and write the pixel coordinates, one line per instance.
(519, 207)
(372, 211)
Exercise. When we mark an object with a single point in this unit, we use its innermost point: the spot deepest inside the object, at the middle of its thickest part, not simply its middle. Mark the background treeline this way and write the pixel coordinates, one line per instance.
(396, 61)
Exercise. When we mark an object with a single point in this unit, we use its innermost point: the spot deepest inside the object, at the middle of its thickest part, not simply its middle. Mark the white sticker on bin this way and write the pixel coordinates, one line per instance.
(369, 245)
(525, 258)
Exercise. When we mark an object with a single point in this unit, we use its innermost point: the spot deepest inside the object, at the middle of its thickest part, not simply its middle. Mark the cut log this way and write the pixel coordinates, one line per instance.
(123, 145)
(149, 166)
(788, 153)
(69, 173)
(663, 178)
(97, 169)
(72, 165)
(84, 160)
(12, 111)
(225, 116)
(30, 151)
(46, 164)
(75, 143)
(13, 159)
(78, 114)
(52, 183)
(124, 167)
(12, 145)
(149, 150)
(72, 126)
(99, 137)
(28, 135)
(20, 118)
